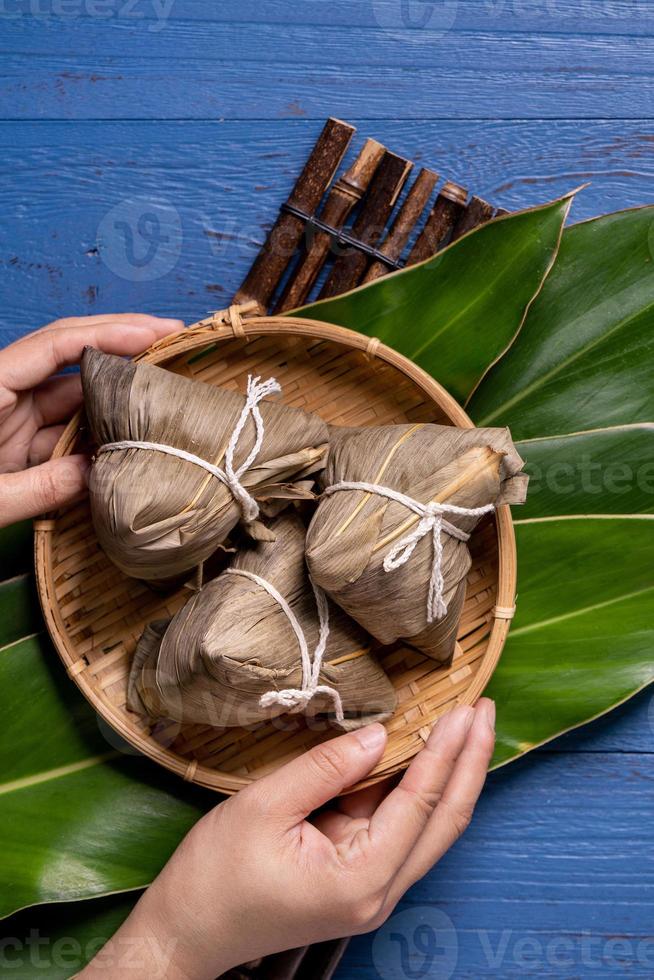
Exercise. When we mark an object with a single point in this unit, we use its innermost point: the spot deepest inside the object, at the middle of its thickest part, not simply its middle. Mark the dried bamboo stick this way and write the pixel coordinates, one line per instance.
(344, 195)
(477, 213)
(449, 205)
(405, 222)
(351, 265)
(283, 239)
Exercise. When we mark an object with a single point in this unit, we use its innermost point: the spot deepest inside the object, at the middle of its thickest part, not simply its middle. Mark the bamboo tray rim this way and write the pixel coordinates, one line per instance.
(222, 326)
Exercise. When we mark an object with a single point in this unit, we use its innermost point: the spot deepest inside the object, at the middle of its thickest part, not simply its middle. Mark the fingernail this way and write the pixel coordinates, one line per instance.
(458, 719)
(371, 737)
(82, 465)
(490, 713)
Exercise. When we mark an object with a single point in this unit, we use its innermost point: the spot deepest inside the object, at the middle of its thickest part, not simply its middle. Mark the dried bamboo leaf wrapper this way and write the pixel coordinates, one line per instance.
(158, 516)
(353, 532)
(232, 643)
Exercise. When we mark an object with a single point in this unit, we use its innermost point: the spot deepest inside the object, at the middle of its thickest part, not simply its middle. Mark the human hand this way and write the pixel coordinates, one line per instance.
(33, 404)
(257, 875)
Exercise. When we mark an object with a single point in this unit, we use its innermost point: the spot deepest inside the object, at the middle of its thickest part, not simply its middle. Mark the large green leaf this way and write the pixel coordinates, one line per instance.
(456, 313)
(583, 637)
(583, 359)
(56, 941)
(604, 471)
(19, 611)
(577, 388)
(77, 817)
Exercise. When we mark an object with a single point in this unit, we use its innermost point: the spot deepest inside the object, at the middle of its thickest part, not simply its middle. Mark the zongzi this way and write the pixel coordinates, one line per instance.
(388, 540)
(239, 652)
(160, 501)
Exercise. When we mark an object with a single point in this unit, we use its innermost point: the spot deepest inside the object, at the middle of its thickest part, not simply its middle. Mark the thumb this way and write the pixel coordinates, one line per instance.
(39, 489)
(311, 780)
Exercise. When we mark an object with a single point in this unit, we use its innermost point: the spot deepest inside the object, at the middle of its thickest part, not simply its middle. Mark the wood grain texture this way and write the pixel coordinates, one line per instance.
(152, 67)
(632, 18)
(132, 87)
(518, 101)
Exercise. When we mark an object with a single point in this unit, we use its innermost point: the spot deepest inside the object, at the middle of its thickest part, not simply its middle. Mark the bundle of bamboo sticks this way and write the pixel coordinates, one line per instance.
(334, 234)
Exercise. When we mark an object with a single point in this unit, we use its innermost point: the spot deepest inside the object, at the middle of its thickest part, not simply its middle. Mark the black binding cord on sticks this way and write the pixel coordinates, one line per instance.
(340, 237)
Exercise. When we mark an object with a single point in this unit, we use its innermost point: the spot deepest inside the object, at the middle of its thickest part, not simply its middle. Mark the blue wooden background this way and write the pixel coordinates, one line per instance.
(202, 114)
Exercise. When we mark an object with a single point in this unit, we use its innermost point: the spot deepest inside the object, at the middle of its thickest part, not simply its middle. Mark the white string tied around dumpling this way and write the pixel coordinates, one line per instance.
(256, 391)
(296, 699)
(432, 521)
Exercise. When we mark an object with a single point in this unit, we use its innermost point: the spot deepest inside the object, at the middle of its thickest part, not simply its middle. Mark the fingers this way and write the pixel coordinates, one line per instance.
(455, 810)
(310, 781)
(57, 399)
(43, 444)
(401, 818)
(32, 360)
(42, 488)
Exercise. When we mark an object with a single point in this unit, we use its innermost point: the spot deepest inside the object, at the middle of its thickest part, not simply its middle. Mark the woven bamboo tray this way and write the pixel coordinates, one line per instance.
(95, 614)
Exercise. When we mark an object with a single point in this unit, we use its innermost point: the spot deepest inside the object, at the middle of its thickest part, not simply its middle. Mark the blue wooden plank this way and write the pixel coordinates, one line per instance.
(419, 17)
(262, 44)
(557, 863)
(74, 86)
(216, 187)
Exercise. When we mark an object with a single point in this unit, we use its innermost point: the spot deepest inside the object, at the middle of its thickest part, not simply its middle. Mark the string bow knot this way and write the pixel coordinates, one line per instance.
(294, 699)
(432, 521)
(230, 477)
(256, 392)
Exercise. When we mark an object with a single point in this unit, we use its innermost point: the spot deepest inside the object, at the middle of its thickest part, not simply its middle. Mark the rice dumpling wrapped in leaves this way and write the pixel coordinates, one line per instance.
(233, 656)
(180, 462)
(388, 541)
